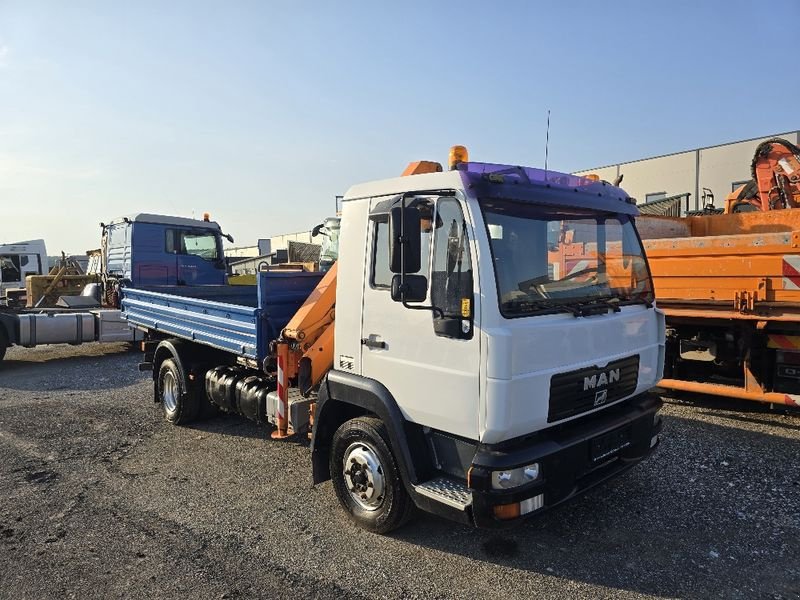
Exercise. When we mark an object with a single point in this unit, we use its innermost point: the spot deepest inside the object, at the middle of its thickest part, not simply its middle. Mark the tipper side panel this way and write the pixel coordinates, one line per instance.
(244, 329)
(701, 260)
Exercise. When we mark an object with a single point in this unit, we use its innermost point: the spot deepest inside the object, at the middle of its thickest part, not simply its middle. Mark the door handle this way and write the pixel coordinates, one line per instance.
(373, 342)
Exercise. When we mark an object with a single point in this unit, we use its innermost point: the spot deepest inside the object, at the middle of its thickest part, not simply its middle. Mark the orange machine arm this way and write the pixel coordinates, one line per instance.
(422, 166)
(776, 170)
(776, 179)
(309, 334)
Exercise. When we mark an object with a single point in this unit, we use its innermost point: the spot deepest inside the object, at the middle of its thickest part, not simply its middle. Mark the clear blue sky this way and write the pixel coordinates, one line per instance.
(262, 112)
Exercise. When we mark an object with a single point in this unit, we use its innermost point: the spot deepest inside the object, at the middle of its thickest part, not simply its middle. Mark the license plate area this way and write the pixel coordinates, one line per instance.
(606, 445)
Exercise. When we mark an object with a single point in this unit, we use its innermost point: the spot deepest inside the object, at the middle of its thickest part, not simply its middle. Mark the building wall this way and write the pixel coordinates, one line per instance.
(715, 167)
(261, 249)
(721, 166)
(281, 242)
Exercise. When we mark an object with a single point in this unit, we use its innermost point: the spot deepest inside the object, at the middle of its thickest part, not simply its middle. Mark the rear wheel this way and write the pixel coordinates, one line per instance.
(366, 476)
(179, 403)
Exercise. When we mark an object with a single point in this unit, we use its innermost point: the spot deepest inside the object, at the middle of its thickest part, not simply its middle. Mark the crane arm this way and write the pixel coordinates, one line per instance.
(776, 170)
(776, 179)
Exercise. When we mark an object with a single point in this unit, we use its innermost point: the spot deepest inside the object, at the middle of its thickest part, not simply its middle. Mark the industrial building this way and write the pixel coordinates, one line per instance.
(699, 176)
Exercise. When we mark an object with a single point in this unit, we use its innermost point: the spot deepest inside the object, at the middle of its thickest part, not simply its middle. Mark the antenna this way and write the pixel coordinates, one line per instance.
(546, 144)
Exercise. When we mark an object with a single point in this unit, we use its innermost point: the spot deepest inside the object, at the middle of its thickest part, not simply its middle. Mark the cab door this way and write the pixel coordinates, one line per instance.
(430, 367)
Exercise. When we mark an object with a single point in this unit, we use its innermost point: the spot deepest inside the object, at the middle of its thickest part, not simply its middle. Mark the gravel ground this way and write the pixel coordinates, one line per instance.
(101, 498)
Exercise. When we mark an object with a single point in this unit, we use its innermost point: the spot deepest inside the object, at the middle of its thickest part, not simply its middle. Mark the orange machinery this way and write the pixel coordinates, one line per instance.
(730, 288)
(776, 179)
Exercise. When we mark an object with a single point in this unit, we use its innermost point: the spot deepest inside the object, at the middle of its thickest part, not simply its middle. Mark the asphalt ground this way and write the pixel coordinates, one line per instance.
(101, 498)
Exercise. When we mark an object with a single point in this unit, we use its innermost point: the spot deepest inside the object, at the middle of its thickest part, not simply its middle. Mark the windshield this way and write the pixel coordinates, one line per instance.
(9, 268)
(329, 252)
(551, 258)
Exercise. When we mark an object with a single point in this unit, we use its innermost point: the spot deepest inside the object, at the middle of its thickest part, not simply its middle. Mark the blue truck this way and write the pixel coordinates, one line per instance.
(449, 359)
(142, 250)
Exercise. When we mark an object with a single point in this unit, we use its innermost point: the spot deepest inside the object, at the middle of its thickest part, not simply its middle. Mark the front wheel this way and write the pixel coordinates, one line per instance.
(366, 476)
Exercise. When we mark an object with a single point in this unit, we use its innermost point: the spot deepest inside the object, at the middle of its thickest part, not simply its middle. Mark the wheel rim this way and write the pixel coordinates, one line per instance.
(363, 476)
(169, 392)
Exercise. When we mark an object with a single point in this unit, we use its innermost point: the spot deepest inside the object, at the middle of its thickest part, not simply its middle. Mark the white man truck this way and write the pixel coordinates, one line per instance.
(460, 356)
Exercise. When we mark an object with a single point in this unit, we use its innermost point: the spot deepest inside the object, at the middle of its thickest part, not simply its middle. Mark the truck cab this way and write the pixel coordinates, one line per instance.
(156, 250)
(501, 321)
(20, 259)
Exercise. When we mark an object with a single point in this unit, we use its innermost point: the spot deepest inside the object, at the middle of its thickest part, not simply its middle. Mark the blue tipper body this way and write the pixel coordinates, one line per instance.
(240, 319)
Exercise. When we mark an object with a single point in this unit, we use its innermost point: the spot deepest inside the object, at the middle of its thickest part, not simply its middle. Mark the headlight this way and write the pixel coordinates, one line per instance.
(511, 478)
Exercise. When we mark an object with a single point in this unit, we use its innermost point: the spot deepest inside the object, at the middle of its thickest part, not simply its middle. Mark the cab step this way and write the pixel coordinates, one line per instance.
(447, 491)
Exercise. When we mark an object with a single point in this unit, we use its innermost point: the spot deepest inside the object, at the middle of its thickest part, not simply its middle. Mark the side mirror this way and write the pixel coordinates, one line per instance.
(404, 240)
(318, 230)
(409, 288)
(228, 237)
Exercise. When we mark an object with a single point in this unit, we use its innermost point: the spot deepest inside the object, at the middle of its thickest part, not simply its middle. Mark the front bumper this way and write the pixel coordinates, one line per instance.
(571, 459)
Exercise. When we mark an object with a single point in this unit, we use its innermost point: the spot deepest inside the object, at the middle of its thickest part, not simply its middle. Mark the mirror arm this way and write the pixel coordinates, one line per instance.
(434, 309)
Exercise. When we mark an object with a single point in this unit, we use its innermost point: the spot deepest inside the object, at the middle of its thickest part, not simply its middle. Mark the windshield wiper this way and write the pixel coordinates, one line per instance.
(578, 308)
(538, 307)
(611, 302)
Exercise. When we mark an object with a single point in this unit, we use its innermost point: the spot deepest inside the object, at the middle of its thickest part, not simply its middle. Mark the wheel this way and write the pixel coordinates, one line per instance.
(180, 406)
(366, 477)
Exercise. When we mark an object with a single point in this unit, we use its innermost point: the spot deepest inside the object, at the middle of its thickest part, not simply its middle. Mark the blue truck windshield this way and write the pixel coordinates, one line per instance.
(546, 258)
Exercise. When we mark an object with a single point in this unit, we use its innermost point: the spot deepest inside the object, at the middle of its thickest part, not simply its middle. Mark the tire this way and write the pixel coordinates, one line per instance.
(366, 477)
(180, 405)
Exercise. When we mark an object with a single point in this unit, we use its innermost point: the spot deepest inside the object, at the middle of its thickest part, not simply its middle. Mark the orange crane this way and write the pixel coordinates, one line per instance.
(776, 179)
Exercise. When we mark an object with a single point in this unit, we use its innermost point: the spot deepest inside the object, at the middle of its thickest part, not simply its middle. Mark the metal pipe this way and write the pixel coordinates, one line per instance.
(729, 391)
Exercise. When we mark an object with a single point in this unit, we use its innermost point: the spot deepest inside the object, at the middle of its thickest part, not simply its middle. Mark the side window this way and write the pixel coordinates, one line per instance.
(451, 274)
(116, 235)
(199, 243)
(654, 196)
(381, 275)
(193, 243)
(169, 244)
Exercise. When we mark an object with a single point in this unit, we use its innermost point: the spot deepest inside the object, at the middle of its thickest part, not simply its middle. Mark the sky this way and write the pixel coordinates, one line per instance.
(260, 113)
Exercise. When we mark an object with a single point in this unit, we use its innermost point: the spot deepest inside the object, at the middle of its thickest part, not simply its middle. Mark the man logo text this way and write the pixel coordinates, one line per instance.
(589, 383)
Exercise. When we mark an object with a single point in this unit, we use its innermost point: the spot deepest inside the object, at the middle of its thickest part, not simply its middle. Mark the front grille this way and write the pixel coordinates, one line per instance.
(584, 389)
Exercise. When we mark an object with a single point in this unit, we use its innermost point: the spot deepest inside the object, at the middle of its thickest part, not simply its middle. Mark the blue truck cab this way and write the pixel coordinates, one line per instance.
(148, 250)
